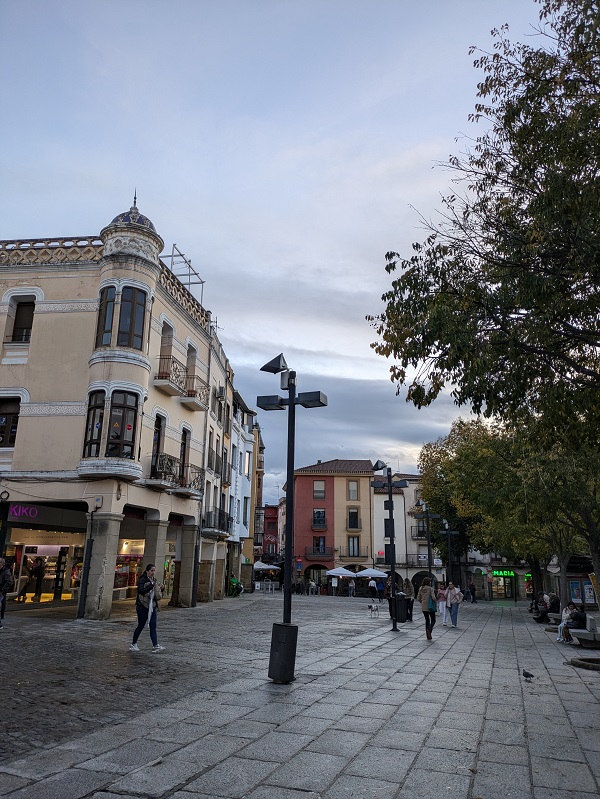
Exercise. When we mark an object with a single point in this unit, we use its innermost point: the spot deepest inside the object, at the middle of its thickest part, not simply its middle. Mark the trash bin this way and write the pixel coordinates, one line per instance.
(401, 608)
(282, 661)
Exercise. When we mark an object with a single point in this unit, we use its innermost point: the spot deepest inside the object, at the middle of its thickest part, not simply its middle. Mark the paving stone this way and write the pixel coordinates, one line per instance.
(157, 779)
(554, 793)
(446, 760)
(130, 756)
(276, 746)
(348, 786)
(428, 784)
(498, 731)
(243, 728)
(501, 781)
(551, 773)
(399, 739)
(102, 740)
(44, 763)
(211, 749)
(233, 778)
(69, 784)
(556, 747)
(311, 725)
(360, 723)
(10, 782)
(339, 742)
(308, 771)
(268, 792)
(181, 733)
(381, 763)
(502, 753)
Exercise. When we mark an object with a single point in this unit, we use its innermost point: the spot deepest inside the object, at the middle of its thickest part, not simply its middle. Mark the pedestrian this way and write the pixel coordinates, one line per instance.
(373, 588)
(37, 573)
(26, 573)
(454, 597)
(473, 592)
(146, 606)
(6, 583)
(351, 587)
(426, 597)
(312, 588)
(409, 591)
(441, 600)
(566, 616)
(380, 589)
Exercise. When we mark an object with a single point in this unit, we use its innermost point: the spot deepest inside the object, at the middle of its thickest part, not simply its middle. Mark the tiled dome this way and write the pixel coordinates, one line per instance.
(133, 217)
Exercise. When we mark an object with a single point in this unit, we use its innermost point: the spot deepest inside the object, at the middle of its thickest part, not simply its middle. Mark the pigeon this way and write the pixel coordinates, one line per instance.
(528, 675)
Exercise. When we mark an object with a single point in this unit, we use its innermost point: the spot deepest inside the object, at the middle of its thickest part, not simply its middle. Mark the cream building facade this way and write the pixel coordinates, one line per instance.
(116, 405)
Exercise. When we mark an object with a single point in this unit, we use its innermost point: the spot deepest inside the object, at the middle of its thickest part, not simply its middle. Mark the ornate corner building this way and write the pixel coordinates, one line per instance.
(123, 440)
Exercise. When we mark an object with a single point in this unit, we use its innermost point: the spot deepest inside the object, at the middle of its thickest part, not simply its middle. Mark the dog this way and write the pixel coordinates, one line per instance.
(374, 609)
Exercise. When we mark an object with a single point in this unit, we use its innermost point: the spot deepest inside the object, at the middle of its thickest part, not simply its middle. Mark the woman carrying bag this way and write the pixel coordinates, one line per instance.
(453, 599)
(426, 597)
(146, 606)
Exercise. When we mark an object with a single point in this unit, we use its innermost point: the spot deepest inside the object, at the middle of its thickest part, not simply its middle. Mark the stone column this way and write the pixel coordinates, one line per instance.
(105, 529)
(155, 546)
(189, 536)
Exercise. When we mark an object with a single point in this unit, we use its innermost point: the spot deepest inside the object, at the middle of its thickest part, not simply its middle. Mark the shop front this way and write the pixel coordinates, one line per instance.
(503, 584)
(44, 545)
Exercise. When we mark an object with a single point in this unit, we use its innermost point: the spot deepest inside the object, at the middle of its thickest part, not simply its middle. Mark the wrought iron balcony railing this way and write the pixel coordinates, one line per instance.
(418, 533)
(217, 519)
(169, 368)
(318, 553)
(350, 553)
(196, 387)
(166, 468)
(192, 477)
(319, 523)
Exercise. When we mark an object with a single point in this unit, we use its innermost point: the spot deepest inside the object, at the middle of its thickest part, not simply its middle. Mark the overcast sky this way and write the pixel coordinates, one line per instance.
(284, 145)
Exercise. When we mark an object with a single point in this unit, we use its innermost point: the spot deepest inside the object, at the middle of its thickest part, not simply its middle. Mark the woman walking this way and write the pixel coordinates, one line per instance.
(426, 597)
(441, 600)
(453, 599)
(146, 605)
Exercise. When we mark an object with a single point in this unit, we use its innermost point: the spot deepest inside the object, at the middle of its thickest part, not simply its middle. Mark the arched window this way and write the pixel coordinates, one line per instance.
(93, 425)
(131, 319)
(105, 317)
(122, 425)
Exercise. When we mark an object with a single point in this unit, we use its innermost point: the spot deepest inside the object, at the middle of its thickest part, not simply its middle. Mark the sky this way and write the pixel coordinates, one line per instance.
(284, 145)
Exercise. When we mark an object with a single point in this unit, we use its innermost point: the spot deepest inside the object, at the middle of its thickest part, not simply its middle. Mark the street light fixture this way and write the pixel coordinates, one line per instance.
(378, 466)
(285, 636)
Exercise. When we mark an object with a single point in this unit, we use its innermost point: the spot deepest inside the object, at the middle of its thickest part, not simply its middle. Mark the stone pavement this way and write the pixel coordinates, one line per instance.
(372, 713)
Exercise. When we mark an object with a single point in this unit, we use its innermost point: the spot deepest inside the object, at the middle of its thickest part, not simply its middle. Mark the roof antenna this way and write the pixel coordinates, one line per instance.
(135, 198)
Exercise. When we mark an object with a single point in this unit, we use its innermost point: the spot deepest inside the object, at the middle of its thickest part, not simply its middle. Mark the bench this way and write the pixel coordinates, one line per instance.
(590, 637)
(555, 618)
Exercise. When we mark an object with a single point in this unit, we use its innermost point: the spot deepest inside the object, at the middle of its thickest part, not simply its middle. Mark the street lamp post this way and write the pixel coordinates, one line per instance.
(285, 636)
(389, 506)
(427, 516)
(449, 533)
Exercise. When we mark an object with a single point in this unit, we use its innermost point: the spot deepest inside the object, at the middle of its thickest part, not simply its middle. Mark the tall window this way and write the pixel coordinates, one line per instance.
(121, 432)
(23, 321)
(318, 517)
(9, 419)
(353, 546)
(184, 449)
(318, 489)
(93, 425)
(319, 543)
(157, 442)
(353, 519)
(106, 313)
(246, 516)
(248, 464)
(131, 319)
(353, 490)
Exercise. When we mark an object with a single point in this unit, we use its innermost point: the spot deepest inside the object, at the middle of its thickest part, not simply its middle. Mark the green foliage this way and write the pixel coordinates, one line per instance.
(500, 302)
(516, 489)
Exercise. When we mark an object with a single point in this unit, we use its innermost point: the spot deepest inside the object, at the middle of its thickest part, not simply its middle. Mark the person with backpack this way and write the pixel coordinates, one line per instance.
(6, 583)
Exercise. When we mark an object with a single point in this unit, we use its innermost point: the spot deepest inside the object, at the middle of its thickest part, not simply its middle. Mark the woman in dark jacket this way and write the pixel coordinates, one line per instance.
(426, 592)
(146, 606)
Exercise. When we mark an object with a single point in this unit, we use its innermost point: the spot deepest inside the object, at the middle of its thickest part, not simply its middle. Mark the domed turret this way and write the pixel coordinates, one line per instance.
(133, 233)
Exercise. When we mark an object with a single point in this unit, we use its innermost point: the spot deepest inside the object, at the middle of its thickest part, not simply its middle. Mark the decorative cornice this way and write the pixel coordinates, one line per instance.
(53, 409)
(120, 356)
(66, 307)
(50, 251)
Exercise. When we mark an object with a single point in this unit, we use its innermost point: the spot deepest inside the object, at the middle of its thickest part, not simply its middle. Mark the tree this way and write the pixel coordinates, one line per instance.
(500, 302)
(523, 493)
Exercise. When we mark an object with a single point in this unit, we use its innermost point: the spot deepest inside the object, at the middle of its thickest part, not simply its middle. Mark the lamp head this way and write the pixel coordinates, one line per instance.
(275, 366)
(272, 402)
(379, 465)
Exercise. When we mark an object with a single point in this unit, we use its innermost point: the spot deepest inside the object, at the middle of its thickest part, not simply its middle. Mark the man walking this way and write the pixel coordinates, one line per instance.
(6, 583)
